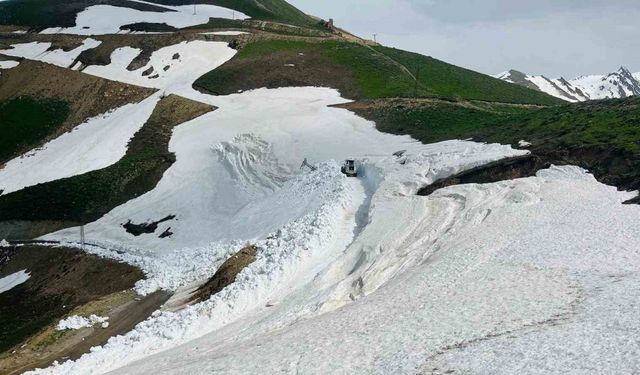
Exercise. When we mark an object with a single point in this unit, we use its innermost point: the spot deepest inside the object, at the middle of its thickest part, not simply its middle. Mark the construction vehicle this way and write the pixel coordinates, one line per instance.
(349, 168)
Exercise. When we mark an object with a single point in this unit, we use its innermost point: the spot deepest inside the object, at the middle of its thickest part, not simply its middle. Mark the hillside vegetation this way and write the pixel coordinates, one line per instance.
(25, 121)
(359, 72)
(602, 136)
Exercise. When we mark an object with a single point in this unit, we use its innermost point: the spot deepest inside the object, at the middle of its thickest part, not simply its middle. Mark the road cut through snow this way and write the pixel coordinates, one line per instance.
(504, 262)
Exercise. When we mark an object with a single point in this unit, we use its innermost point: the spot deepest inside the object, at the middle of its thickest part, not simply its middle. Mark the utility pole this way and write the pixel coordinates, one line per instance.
(415, 88)
(375, 38)
(82, 236)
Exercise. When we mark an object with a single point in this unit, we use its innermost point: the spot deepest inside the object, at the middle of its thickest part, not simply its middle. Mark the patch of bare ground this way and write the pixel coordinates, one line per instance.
(420, 103)
(505, 169)
(226, 274)
(64, 282)
(88, 96)
(27, 230)
(285, 68)
(124, 309)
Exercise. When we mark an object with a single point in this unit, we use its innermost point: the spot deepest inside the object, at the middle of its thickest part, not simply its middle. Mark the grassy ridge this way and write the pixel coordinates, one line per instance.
(437, 121)
(435, 76)
(365, 73)
(602, 136)
(26, 121)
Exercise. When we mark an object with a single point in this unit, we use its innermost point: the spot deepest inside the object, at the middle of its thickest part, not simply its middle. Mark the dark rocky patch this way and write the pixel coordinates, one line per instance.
(148, 71)
(505, 169)
(167, 233)
(139, 229)
(226, 274)
(149, 27)
(635, 200)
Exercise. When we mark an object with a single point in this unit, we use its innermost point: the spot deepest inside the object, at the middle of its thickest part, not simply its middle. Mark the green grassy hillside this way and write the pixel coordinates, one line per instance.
(452, 81)
(26, 121)
(359, 72)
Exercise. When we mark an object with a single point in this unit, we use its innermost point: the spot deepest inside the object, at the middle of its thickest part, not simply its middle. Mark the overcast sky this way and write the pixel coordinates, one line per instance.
(551, 37)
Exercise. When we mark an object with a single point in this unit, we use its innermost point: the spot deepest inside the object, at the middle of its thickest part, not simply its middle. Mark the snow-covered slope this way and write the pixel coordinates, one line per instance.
(97, 143)
(107, 19)
(352, 275)
(40, 51)
(11, 281)
(619, 84)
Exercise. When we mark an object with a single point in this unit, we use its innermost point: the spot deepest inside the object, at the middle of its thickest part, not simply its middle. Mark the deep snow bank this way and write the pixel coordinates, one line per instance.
(482, 261)
(233, 165)
(237, 179)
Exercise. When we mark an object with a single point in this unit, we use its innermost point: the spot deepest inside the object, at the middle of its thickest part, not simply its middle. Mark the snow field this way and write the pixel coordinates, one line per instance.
(360, 275)
(13, 280)
(97, 143)
(237, 179)
(484, 261)
(39, 51)
(107, 19)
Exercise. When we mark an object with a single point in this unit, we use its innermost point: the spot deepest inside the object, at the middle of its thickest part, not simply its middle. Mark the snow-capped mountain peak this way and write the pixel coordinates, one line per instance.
(619, 84)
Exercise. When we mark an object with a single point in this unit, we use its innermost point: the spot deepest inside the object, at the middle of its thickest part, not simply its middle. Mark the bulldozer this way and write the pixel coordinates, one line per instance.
(349, 168)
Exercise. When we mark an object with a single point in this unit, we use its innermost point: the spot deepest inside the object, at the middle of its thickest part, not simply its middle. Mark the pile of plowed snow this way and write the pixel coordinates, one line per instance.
(238, 176)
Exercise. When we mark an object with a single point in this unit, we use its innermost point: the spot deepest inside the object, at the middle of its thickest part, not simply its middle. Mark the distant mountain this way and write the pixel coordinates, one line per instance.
(619, 84)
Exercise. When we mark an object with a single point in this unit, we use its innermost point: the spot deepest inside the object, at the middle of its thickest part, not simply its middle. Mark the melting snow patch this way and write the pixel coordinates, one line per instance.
(39, 51)
(4, 243)
(13, 280)
(8, 64)
(78, 322)
(196, 59)
(107, 19)
(523, 143)
(231, 33)
(95, 144)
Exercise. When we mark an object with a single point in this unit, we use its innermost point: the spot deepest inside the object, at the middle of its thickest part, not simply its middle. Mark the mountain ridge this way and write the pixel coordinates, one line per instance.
(616, 85)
